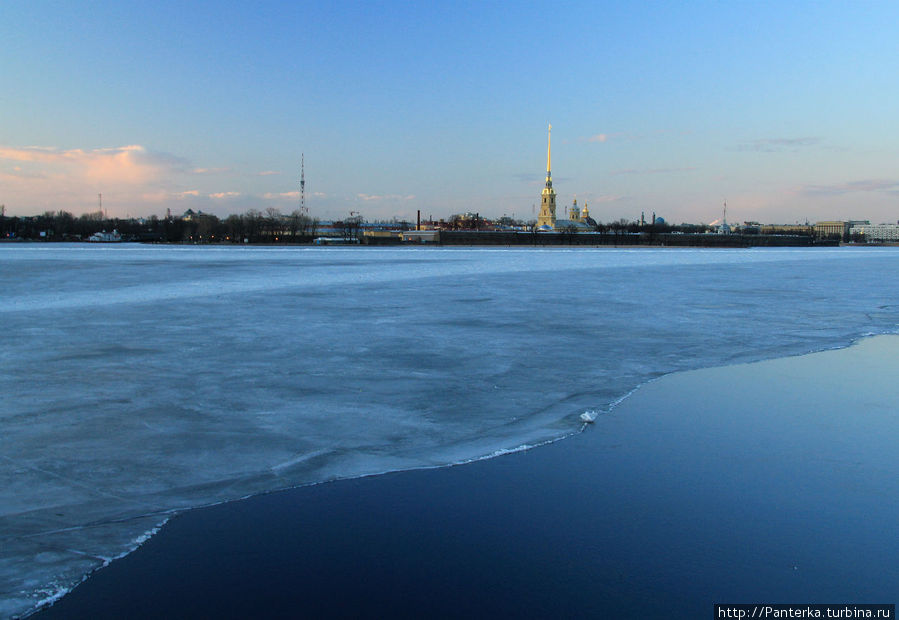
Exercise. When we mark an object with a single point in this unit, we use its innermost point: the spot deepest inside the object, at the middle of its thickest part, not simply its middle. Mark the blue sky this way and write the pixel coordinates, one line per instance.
(786, 110)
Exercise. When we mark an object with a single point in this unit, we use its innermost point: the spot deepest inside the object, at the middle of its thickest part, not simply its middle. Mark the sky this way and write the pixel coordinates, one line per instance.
(786, 110)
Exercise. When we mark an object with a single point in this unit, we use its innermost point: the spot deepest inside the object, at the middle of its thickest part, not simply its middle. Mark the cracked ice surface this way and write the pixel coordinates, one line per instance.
(141, 380)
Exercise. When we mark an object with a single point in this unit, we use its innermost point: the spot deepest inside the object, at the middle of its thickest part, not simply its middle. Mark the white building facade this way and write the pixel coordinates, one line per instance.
(877, 232)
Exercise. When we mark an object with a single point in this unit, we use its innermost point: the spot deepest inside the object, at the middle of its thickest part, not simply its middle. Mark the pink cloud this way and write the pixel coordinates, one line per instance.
(606, 137)
(124, 165)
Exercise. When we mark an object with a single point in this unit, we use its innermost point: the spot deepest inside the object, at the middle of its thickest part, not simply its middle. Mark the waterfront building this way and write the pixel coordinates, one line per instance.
(786, 229)
(831, 229)
(876, 232)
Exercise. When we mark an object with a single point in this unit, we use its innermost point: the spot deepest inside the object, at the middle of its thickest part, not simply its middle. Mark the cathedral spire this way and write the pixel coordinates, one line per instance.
(547, 217)
(549, 135)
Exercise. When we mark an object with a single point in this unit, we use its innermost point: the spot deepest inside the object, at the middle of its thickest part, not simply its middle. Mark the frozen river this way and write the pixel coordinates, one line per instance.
(139, 380)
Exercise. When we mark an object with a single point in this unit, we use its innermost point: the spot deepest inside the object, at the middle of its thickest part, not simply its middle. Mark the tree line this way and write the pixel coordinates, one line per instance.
(254, 226)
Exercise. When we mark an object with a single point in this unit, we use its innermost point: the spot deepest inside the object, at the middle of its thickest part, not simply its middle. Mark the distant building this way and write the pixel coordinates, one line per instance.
(191, 215)
(420, 236)
(585, 216)
(831, 229)
(546, 220)
(786, 229)
(579, 220)
(723, 227)
(574, 213)
(876, 232)
(105, 237)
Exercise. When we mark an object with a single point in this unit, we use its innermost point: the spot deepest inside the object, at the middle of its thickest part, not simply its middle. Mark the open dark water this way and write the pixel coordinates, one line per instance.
(769, 482)
(513, 536)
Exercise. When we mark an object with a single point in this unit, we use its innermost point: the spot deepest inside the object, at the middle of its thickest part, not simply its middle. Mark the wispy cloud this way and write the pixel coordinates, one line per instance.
(211, 170)
(267, 173)
(888, 186)
(278, 196)
(155, 197)
(377, 197)
(607, 198)
(651, 170)
(18, 173)
(166, 196)
(606, 137)
(221, 195)
(292, 196)
(779, 145)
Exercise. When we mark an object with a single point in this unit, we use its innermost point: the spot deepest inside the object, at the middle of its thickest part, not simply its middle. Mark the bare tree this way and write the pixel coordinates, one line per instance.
(252, 224)
(351, 227)
(273, 222)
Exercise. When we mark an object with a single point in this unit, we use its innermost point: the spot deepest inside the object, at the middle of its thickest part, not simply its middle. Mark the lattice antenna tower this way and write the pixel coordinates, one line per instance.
(302, 183)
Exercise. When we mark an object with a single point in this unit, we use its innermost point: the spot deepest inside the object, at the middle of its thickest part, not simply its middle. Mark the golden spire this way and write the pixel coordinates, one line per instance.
(549, 136)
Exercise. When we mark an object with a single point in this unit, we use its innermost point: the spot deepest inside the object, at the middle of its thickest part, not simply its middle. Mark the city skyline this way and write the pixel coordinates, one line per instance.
(782, 109)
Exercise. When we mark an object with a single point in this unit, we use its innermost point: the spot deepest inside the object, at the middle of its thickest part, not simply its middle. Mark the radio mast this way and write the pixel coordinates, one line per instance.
(302, 183)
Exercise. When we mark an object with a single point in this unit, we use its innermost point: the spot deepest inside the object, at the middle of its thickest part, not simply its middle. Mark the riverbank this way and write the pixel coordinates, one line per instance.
(766, 482)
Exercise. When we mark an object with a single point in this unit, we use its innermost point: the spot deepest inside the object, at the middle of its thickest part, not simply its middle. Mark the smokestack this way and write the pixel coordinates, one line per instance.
(418, 220)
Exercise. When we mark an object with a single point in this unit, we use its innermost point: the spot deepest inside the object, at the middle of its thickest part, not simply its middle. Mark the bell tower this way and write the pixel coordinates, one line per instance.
(574, 213)
(547, 215)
